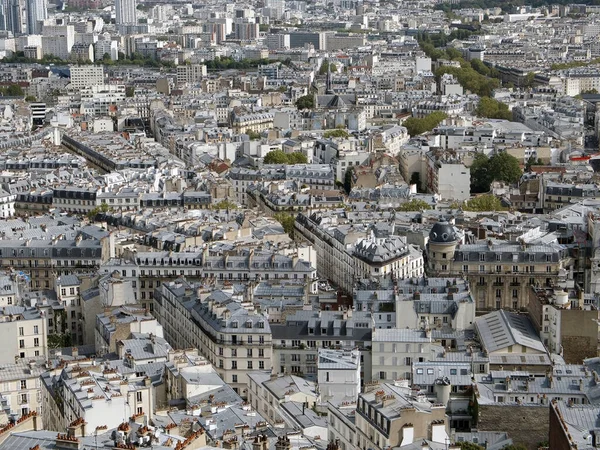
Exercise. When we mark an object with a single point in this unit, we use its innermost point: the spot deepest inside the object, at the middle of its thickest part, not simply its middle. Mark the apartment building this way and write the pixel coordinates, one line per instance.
(394, 351)
(267, 393)
(346, 253)
(296, 342)
(499, 272)
(338, 375)
(236, 340)
(567, 326)
(155, 268)
(41, 259)
(191, 73)
(23, 332)
(21, 387)
(95, 396)
(388, 416)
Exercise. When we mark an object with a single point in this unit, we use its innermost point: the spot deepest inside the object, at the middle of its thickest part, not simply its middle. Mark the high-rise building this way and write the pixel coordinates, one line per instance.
(37, 11)
(125, 12)
(15, 16)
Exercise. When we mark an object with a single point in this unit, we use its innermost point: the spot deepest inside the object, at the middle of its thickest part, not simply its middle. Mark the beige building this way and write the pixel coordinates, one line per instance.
(23, 333)
(387, 416)
(20, 387)
(233, 337)
(499, 272)
(267, 392)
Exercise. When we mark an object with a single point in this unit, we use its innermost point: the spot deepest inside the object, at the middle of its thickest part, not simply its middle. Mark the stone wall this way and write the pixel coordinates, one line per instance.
(526, 424)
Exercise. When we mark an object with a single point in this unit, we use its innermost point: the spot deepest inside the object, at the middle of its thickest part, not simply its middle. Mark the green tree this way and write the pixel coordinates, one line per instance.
(416, 126)
(532, 161)
(280, 157)
(338, 133)
(30, 99)
(325, 65)
(129, 91)
(287, 222)
(484, 203)
(529, 79)
(500, 167)
(253, 135)
(480, 176)
(225, 204)
(453, 53)
(491, 108)
(505, 167)
(414, 204)
(348, 180)
(305, 102)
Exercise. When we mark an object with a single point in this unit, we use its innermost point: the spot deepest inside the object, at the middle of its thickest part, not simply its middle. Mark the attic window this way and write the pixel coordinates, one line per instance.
(234, 324)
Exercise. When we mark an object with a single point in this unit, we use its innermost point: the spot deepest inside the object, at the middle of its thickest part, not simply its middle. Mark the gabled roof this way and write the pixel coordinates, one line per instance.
(500, 329)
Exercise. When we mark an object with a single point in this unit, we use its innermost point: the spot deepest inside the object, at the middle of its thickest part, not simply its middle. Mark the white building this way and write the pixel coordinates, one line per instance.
(338, 373)
(85, 76)
(23, 334)
(58, 40)
(125, 12)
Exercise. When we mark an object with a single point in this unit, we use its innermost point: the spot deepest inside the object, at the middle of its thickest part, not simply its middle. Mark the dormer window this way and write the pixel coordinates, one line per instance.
(234, 324)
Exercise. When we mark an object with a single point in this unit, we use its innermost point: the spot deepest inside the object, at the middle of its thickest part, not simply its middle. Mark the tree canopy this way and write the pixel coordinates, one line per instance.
(500, 167)
(341, 133)
(305, 102)
(491, 108)
(414, 204)
(280, 157)
(287, 222)
(225, 204)
(484, 203)
(417, 126)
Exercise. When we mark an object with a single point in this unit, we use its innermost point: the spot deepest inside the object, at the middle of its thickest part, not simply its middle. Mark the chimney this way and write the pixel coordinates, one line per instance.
(507, 383)
(283, 443)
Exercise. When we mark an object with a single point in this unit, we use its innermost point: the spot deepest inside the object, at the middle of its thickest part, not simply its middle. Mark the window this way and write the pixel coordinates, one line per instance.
(140, 410)
(419, 371)
(249, 364)
(482, 269)
(429, 371)
(23, 384)
(382, 375)
(453, 372)
(482, 257)
(35, 329)
(234, 364)
(498, 292)
(138, 396)
(21, 331)
(21, 343)
(36, 342)
(261, 364)
(261, 352)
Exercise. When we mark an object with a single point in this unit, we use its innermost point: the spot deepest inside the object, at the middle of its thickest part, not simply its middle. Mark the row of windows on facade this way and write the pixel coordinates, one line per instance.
(250, 365)
(249, 352)
(36, 342)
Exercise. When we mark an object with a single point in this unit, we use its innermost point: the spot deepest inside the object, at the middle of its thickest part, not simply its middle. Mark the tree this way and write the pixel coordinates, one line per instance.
(505, 167)
(414, 204)
(338, 133)
(225, 204)
(492, 109)
(532, 161)
(129, 91)
(253, 135)
(287, 222)
(326, 64)
(484, 203)
(529, 80)
(280, 157)
(480, 177)
(305, 102)
(417, 126)
(30, 99)
(500, 167)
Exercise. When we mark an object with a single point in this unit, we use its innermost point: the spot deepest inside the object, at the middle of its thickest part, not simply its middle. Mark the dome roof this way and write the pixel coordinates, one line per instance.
(442, 232)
